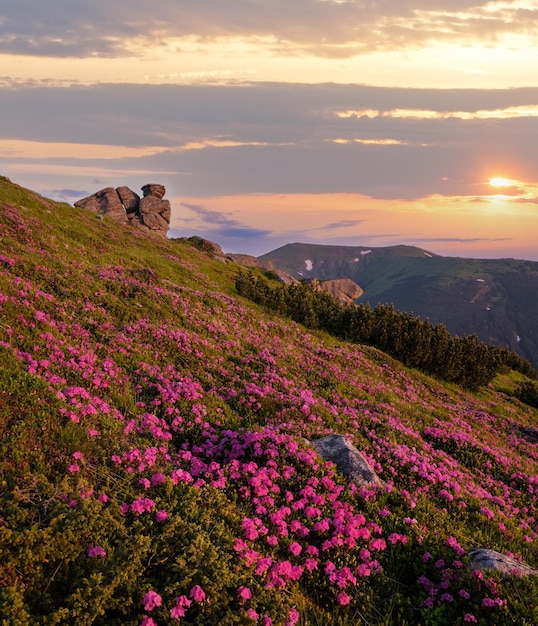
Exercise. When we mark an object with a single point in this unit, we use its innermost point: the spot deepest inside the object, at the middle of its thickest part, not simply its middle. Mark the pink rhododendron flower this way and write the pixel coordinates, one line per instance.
(487, 512)
(293, 617)
(343, 598)
(161, 516)
(244, 593)
(377, 544)
(151, 600)
(311, 564)
(180, 609)
(158, 478)
(95, 551)
(197, 594)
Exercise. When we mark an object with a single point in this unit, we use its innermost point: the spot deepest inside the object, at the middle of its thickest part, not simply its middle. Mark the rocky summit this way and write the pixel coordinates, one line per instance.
(151, 212)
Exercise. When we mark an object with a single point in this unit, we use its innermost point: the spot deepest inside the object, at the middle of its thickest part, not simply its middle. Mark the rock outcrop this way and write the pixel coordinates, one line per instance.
(348, 460)
(151, 212)
(343, 289)
(485, 559)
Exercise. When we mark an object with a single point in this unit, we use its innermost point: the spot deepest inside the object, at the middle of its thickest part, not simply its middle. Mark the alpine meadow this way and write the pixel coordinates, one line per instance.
(163, 417)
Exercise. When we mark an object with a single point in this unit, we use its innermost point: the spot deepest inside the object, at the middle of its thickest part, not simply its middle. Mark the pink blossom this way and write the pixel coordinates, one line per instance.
(73, 468)
(377, 544)
(295, 549)
(364, 569)
(487, 512)
(311, 564)
(197, 594)
(95, 551)
(263, 565)
(158, 478)
(161, 516)
(142, 505)
(148, 621)
(293, 617)
(470, 618)
(151, 600)
(180, 609)
(488, 603)
(244, 593)
(343, 598)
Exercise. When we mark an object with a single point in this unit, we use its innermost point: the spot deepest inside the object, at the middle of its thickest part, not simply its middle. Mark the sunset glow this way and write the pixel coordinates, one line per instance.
(498, 181)
(337, 122)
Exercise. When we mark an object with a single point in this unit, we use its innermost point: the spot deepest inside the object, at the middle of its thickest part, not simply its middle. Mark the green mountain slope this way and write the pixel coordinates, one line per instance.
(156, 464)
(496, 299)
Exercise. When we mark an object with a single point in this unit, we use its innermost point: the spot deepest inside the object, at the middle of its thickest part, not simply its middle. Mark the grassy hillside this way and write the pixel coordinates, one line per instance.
(155, 468)
(496, 299)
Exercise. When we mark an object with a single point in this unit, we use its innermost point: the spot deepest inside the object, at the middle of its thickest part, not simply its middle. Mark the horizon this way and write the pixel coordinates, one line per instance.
(323, 121)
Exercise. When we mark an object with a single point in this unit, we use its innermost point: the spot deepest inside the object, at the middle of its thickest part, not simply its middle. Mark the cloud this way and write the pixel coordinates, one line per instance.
(459, 239)
(68, 195)
(340, 224)
(101, 28)
(226, 228)
(270, 138)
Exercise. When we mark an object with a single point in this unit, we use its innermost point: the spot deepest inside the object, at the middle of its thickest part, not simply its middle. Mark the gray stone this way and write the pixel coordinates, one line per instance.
(245, 260)
(343, 289)
(104, 202)
(485, 559)
(151, 189)
(348, 460)
(151, 212)
(129, 199)
(155, 223)
(155, 213)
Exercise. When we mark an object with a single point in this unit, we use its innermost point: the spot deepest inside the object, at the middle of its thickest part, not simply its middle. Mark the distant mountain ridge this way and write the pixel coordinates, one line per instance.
(496, 299)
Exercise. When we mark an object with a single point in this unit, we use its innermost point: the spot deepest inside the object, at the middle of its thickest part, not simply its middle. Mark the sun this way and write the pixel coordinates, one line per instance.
(498, 181)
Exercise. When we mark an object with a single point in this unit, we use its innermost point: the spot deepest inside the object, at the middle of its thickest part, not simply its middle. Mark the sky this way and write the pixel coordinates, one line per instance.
(362, 123)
